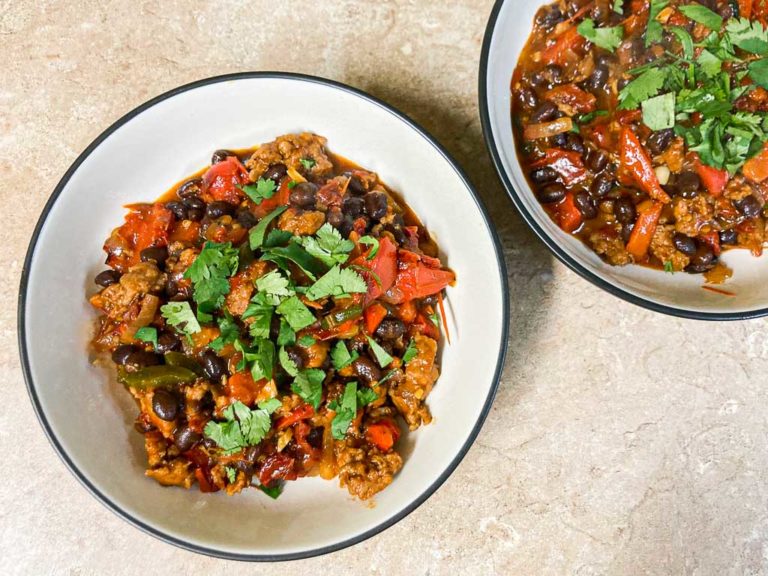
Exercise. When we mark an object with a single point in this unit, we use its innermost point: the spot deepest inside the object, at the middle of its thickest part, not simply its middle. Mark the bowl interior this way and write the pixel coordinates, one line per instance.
(676, 293)
(90, 417)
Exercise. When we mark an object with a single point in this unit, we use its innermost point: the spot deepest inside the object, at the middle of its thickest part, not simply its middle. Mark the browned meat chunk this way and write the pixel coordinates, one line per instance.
(290, 150)
(366, 471)
(610, 245)
(664, 249)
(692, 214)
(420, 375)
(177, 472)
(116, 300)
(242, 287)
(301, 222)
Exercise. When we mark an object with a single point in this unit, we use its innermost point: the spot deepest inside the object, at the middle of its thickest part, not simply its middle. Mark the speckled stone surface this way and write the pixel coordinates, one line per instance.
(621, 441)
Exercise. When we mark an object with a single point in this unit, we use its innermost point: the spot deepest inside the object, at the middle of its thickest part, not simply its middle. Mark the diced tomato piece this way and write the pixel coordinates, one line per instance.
(383, 268)
(301, 412)
(567, 214)
(568, 43)
(374, 314)
(383, 434)
(417, 277)
(222, 180)
(424, 325)
(241, 386)
(277, 466)
(756, 168)
(714, 180)
(573, 97)
(147, 225)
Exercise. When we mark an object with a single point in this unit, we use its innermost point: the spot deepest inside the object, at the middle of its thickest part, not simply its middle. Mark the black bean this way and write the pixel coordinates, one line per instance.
(624, 210)
(168, 341)
(275, 173)
(684, 244)
(348, 224)
(107, 278)
(218, 208)
(574, 143)
(335, 218)
(220, 156)
(558, 140)
(598, 78)
(605, 59)
(585, 205)
(545, 112)
(303, 195)
(315, 437)
(121, 353)
(353, 206)
(543, 175)
(688, 184)
(527, 98)
(729, 236)
(213, 366)
(190, 188)
(548, 16)
(245, 218)
(750, 206)
(597, 160)
(366, 370)
(397, 232)
(297, 355)
(178, 209)
(376, 205)
(601, 185)
(195, 208)
(185, 437)
(157, 254)
(355, 185)
(165, 404)
(551, 194)
(140, 358)
(703, 260)
(390, 329)
(659, 140)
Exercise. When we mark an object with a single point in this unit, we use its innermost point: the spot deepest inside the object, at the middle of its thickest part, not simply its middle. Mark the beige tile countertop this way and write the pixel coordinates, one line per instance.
(621, 441)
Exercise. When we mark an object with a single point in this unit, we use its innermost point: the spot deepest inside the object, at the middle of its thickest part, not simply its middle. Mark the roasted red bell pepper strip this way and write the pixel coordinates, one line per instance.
(567, 215)
(277, 466)
(756, 168)
(570, 40)
(374, 314)
(383, 434)
(572, 96)
(566, 163)
(745, 9)
(642, 233)
(636, 166)
(714, 180)
(222, 180)
(300, 413)
(417, 276)
(383, 268)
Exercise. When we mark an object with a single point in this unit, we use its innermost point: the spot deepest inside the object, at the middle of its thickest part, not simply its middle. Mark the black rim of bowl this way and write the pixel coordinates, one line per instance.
(553, 246)
(104, 499)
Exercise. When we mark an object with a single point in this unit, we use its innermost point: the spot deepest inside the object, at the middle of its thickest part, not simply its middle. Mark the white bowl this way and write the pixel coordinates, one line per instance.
(88, 417)
(678, 294)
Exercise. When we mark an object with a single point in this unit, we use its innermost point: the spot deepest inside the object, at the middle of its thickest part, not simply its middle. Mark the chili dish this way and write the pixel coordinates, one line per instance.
(274, 316)
(641, 126)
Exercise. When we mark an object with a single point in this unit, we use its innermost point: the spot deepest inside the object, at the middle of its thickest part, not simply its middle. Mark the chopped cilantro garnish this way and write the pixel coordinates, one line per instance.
(293, 252)
(261, 311)
(286, 336)
(180, 316)
(607, 38)
(659, 111)
(308, 163)
(410, 352)
(308, 384)
(260, 357)
(228, 332)
(345, 409)
(288, 365)
(307, 340)
(373, 243)
(702, 15)
(654, 29)
(366, 396)
(147, 334)
(341, 356)
(210, 274)
(750, 36)
(296, 313)
(242, 426)
(292, 184)
(382, 357)
(668, 267)
(272, 491)
(618, 6)
(258, 232)
(264, 189)
(645, 86)
(337, 282)
(275, 286)
(231, 474)
(327, 245)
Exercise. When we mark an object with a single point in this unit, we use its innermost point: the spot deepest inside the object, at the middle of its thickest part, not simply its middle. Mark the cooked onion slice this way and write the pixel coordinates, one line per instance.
(547, 129)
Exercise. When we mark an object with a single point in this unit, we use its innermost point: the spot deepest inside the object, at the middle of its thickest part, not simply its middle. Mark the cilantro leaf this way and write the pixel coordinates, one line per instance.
(341, 357)
(382, 357)
(758, 72)
(258, 232)
(261, 311)
(308, 163)
(229, 331)
(296, 313)
(607, 38)
(275, 286)
(410, 352)
(645, 86)
(702, 15)
(653, 30)
(231, 474)
(180, 316)
(287, 363)
(272, 491)
(264, 189)
(209, 274)
(307, 341)
(260, 357)
(147, 334)
(617, 6)
(748, 35)
(242, 426)
(277, 237)
(709, 63)
(282, 255)
(659, 111)
(373, 243)
(366, 396)
(346, 410)
(308, 384)
(327, 245)
(337, 282)
(684, 37)
(285, 335)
